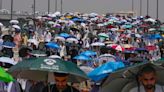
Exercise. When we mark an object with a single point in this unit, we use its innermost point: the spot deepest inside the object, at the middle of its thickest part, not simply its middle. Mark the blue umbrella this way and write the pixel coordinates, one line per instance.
(82, 57)
(156, 36)
(103, 71)
(78, 20)
(88, 53)
(141, 49)
(53, 45)
(8, 44)
(65, 35)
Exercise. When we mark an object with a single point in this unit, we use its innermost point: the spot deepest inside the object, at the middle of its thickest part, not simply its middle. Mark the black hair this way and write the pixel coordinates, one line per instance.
(146, 69)
(60, 74)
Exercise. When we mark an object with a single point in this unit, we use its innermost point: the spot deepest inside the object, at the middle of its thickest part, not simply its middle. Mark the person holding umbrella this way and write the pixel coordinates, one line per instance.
(148, 77)
(60, 84)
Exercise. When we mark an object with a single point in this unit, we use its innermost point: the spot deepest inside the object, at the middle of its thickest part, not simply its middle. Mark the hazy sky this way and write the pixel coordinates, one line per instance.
(88, 6)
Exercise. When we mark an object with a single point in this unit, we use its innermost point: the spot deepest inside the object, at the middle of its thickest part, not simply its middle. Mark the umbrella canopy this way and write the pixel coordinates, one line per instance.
(55, 56)
(104, 70)
(103, 35)
(82, 57)
(16, 26)
(151, 47)
(118, 47)
(106, 57)
(34, 41)
(42, 69)
(53, 45)
(14, 22)
(65, 35)
(4, 76)
(88, 53)
(7, 60)
(97, 44)
(60, 38)
(8, 44)
(129, 74)
(72, 40)
(1, 25)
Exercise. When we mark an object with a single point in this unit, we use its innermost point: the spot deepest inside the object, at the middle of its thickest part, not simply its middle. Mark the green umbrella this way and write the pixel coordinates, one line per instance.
(42, 69)
(4, 76)
(117, 81)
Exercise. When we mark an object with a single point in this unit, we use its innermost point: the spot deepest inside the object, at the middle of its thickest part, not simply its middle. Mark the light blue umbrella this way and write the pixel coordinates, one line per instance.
(88, 53)
(53, 45)
(65, 35)
(104, 70)
(82, 57)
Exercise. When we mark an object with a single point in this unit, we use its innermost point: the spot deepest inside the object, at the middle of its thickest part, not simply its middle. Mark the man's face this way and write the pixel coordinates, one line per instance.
(61, 82)
(148, 80)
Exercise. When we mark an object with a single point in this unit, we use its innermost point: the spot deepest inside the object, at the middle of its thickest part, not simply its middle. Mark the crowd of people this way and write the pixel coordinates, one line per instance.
(129, 39)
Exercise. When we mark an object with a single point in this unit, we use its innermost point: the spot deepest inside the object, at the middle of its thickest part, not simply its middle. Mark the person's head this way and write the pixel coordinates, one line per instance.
(61, 80)
(147, 76)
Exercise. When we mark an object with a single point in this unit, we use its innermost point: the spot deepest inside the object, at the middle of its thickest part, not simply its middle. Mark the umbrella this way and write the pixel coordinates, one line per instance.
(34, 41)
(65, 35)
(104, 70)
(88, 53)
(1, 25)
(103, 35)
(72, 40)
(4, 76)
(82, 57)
(53, 45)
(42, 69)
(128, 74)
(7, 60)
(151, 47)
(16, 27)
(127, 45)
(55, 56)
(118, 47)
(60, 38)
(107, 55)
(14, 22)
(97, 44)
(38, 53)
(8, 44)
(140, 49)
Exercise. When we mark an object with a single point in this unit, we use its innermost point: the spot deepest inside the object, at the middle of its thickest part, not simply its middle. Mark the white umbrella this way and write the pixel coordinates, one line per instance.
(34, 41)
(71, 40)
(7, 60)
(55, 56)
(1, 25)
(51, 22)
(60, 38)
(97, 44)
(14, 21)
(150, 20)
(16, 26)
(107, 55)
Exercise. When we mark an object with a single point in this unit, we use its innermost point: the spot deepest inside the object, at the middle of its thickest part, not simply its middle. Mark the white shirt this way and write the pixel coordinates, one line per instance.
(158, 88)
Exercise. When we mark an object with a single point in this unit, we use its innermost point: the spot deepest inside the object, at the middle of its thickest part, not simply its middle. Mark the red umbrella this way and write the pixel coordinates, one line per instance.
(118, 47)
(151, 47)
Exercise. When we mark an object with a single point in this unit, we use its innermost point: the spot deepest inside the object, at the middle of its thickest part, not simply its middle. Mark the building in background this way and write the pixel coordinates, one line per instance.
(0, 4)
